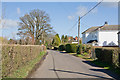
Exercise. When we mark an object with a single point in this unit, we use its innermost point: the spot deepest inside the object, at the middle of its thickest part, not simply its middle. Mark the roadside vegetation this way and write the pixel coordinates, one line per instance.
(23, 71)
(105, 57)
(17, 61)
(108, 58)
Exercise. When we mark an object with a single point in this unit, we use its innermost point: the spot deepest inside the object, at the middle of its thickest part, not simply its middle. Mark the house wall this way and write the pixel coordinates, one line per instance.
(108, 38)
(89, 36)
(83, 38)
(119, 39)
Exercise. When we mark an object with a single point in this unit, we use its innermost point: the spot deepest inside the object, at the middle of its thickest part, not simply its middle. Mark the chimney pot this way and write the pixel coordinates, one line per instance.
(106, 23)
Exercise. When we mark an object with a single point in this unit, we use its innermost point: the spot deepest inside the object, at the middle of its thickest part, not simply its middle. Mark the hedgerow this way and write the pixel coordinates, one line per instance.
(16, 56)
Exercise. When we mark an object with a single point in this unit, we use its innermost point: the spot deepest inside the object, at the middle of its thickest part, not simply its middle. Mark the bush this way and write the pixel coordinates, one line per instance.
(61, 48)
(68, 48)
(84, 48)
(79, 49)
(55, 48)
(71, 48)
(88, 48)
(104, 55)
(116, 58)
(110, 56)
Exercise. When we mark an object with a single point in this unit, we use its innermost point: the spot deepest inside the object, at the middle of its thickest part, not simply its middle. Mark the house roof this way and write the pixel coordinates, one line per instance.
(90, 29)
(119, 32)
(105, 27)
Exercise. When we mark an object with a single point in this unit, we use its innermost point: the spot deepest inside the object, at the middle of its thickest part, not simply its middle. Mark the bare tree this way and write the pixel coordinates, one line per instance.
(35, 25)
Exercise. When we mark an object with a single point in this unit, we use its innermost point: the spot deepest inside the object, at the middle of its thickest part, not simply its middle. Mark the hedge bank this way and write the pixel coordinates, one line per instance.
(108, 55)
(16, 56)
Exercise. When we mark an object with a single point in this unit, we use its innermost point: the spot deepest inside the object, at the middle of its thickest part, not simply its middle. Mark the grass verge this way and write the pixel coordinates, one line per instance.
(22, 72)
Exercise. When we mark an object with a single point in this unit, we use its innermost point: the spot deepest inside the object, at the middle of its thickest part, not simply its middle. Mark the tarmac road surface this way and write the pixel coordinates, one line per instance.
(63, 65)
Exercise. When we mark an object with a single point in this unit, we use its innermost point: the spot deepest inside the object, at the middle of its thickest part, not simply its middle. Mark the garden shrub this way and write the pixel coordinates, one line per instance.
(71, 48)
(110, 56)
(61, 48)
(104, 55)
(68, 48)
(88, 48)
(84, 48)
(116, 58)
(55, 48)
(79, 49)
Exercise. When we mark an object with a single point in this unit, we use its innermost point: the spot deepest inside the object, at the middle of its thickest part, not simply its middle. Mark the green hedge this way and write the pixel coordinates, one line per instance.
(61, 48)
(110, 56)
(71, 48)
(80, 49)
(55, 48)
(16, 56)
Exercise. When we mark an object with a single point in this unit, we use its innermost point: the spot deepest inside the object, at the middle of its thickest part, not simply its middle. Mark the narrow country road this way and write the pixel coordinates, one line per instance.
(63, 65)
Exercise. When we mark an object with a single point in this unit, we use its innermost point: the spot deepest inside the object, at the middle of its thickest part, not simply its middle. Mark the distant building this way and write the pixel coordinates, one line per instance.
(105, 35)
(73, 40)
(70, 38)
(76, 38)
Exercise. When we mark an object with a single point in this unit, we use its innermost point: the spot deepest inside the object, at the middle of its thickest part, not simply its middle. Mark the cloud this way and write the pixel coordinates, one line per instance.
(71, 17)
(81, 10)
(110, 4)
(8, 23)
(18, 11)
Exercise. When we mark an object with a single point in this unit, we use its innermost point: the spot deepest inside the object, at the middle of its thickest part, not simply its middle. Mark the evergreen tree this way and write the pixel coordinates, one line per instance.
(56, 40)
(62, 39)
(66, 39)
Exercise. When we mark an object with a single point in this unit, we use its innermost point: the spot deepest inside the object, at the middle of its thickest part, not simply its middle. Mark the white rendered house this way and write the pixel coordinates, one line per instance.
(105, 35)
(119, 38)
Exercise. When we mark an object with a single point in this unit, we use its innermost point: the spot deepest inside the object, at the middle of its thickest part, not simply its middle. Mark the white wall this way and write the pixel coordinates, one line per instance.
(89, 36)
(83, 38)
(108, 38)
(92, 36)
(119, 39)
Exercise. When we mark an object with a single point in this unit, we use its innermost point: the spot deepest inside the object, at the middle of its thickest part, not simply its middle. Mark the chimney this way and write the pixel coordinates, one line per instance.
(106, 23)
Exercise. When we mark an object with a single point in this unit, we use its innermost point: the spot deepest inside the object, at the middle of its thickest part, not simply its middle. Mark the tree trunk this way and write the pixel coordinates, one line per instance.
(33, 40)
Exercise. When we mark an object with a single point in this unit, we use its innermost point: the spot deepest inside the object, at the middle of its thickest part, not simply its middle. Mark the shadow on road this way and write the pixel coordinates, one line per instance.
(80, 73)
(108, 72)
(89, 62)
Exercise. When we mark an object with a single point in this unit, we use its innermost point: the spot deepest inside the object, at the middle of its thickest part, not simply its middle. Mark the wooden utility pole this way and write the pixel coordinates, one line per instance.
(79, 30)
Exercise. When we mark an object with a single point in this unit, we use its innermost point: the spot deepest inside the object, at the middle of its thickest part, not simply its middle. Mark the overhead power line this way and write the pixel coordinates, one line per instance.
(85, 15)
(91, 9)
(82, 17)
(72, 27)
